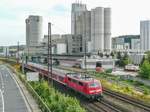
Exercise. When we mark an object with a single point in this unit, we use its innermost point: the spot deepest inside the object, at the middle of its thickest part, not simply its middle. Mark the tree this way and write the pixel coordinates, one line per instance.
(123, 60)
(107, 55)
(112, 54)
(145, 69)
(143, 59)
(100, 54)
(119, 55)
(148, 56)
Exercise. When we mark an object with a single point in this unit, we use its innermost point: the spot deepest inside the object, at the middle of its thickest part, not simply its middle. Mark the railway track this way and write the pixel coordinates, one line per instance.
(127, 99)
(104, 106)
(100, 106)
(124, 98)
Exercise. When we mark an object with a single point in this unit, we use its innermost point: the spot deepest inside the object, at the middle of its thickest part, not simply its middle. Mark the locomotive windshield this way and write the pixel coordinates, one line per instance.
(94, 85)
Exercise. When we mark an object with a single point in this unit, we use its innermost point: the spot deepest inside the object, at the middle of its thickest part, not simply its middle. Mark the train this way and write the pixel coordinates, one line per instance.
(82, 83)
(131, 67)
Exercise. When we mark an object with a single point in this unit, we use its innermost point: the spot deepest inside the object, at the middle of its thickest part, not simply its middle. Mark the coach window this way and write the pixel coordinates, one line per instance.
(80, 83)
(69, 79)
(74, 81)
(61, 78)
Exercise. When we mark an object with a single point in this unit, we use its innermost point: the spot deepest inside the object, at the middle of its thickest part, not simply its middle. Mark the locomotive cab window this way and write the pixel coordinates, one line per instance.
(94, 85)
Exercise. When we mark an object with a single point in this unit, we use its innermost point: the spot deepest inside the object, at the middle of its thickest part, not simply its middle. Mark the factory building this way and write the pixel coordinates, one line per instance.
(74, 43)
(93, 26)
(126, 42)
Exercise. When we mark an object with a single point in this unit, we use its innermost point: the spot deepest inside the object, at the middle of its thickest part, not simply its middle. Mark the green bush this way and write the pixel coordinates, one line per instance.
(137, 83)
(108, 71)
(145, 70)
(146, 91)
(56, 101)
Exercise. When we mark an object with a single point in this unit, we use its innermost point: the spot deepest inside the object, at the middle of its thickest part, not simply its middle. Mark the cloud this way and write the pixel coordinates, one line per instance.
(14, 12)
(126, 16)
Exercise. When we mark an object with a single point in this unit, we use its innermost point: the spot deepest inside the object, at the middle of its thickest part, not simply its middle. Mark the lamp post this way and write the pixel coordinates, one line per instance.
(49, 53)
(18, 53)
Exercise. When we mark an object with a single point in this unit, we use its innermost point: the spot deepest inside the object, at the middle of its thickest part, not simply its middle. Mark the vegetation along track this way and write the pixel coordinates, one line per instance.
(123, 97)
(91, 106)
(127, 99)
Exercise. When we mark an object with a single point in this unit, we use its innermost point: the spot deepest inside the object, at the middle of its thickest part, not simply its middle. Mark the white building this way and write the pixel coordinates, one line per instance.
(137, 57)
(145, 35)
(54, 37)
(135, 44)
(61, 48)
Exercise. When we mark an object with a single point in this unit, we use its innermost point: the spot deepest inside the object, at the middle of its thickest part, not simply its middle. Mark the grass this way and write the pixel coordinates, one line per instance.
(127, 87)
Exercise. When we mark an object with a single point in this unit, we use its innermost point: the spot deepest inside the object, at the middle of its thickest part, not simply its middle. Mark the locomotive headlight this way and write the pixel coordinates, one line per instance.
(99, 90)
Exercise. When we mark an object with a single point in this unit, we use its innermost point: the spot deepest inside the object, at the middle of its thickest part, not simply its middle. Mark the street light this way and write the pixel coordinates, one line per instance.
(49, 53)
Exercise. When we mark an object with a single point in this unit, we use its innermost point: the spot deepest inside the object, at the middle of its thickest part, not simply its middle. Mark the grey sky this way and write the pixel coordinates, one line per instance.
(126, 16)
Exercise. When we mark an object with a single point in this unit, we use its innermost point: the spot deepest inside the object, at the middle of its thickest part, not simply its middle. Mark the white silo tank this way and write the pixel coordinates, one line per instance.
(107, 29)
(92, 30)
(35, 30)
(97, 25)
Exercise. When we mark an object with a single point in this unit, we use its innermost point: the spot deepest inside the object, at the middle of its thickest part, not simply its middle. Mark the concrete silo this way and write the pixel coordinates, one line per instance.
(86, 29)
(97, 29)
(33, 31)
(76, 23)
(107, 29)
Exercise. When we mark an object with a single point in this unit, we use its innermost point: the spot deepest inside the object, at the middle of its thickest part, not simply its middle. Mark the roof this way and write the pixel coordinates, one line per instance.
(81, 77)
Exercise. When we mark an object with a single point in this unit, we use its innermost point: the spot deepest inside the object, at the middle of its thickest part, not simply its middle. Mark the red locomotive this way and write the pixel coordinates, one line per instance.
(84, 84)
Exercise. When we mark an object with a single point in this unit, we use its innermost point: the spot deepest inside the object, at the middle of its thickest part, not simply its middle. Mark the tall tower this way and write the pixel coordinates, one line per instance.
(86, 29)
(76, 22)
(107, 29)
(145, 35)
(33, 31)
(97, 29)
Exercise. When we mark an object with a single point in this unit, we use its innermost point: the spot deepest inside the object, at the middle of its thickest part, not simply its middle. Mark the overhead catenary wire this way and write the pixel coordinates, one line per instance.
(58, 28)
